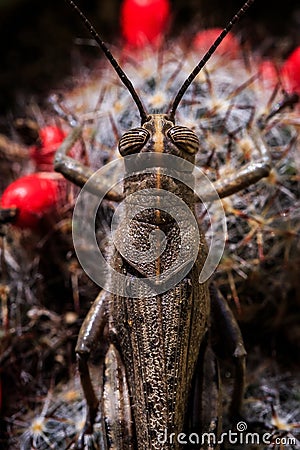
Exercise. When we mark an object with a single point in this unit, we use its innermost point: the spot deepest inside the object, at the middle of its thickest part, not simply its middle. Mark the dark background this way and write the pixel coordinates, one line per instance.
(37, 37)
(37, 41)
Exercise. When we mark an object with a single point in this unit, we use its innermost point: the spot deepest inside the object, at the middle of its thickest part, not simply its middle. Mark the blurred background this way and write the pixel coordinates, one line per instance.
(37, 38)
(38, 52)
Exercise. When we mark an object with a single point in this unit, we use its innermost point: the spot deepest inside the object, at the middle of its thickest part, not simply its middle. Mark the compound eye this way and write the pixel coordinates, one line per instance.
(133, 141)
(184, 138)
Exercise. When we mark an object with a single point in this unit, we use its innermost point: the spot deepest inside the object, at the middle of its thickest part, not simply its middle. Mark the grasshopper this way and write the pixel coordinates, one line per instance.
(160, 374)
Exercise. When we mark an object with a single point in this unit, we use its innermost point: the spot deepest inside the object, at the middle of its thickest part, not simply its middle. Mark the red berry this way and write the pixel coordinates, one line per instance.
(268, 73)
(51, 137)
(144, 21)
(34, 195)
(204, 39)
(291, 72)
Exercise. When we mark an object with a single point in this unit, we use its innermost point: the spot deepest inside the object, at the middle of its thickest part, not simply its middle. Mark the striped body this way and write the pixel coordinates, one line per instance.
(159, 337)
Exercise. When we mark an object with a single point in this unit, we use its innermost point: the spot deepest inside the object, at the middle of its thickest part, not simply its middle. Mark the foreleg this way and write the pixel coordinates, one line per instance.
(247, 175)
(77, 172)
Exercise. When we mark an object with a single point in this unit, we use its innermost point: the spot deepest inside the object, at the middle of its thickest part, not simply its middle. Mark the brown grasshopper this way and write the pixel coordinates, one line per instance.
(160, 375)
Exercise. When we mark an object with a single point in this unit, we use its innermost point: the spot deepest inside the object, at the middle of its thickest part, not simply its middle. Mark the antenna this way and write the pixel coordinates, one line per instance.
(122, 75)
(206, 57)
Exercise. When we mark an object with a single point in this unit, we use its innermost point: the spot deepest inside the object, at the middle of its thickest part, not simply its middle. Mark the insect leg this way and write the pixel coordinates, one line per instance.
(205, 407)
(230, 333)
(116, 402)
(77, 172)
(91, 331)
(247, 175)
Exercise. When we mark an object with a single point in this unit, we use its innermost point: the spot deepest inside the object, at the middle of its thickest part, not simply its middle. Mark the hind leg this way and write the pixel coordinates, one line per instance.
(91, 333)
(228, 329)
(205, 408)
